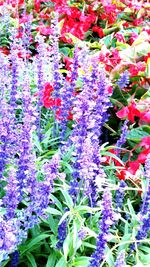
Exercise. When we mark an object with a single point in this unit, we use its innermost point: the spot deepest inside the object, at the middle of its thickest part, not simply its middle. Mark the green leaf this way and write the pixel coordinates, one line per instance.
(31, 259)
(124, 246)
(52, 224)
(118, 95)
(65, 51)
(107, 40)
(67, 155)
(106, 153)
(88, 245)
(69, 168)
(33, 242)
(81, 261)
(53, 211)
(67, 213)
(109, 258)
(56, 201)
(5, 262)
(145, 258)
(146, 95)
(138, 133)
(131, 209)
(61, 263)
(68, 246)
(51, 260)
(67, 197)
(37, 143)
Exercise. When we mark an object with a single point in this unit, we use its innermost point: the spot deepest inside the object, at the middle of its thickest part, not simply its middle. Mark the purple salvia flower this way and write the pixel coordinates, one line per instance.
(120, 262)
(102, 103)
(14, 125)
(82, 233)
(90, 111)
(106, 221)
(62, 233)
(41, 193)
(121, 141)
(82, 110)
(88, 170)
(40, 65)
(8, 237)
(56, 74)
(4, 126)
(26, 166)
(27, 34)
(67, 94)
(123, 80)
(14, 259)
(11, 198)
(119, 197)
(144, 214)
(15, 75)
(7, 116)
(5, 18)
(145, 210)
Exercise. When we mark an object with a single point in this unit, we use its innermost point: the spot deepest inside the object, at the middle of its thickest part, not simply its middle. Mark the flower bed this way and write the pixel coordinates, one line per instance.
(75, 133)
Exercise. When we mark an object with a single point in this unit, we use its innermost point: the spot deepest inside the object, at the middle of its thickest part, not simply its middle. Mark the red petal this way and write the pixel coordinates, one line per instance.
(122, 113)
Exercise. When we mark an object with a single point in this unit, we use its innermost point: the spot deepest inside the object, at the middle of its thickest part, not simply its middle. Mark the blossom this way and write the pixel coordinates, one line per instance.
(98, 30)
(120, 262)
(144, 214)
(104, 226)
(8, 237)
(119, 197)
(129, 112)
(14, 259)
(121, 141)
(62, 233)
(123, 80)
(12, 195)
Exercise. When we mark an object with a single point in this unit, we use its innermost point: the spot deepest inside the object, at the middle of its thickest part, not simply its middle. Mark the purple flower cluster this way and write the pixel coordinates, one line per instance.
(120, 262)
(90, 112)
(17, 157)
(123, 80)
(14, 259)
(121, 141)
(68, 95)
(145, 209)
(62, 233)
(104, 226)
(119, 197)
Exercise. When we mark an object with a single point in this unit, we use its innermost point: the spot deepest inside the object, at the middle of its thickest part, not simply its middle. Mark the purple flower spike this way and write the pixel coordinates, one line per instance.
(124, 80)
(14, 259)
(120, 262)
(104, 226)
(145, 210)
(121, 141)
(62, 233)
(120, 195)
(11, 199)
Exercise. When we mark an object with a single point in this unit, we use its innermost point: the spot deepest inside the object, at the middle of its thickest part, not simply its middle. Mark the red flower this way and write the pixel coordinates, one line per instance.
(99, 31)
(129, 112)
(135, 69)
(145, 142)
(145, 116)
(37, 4)
(45, 30)
(143, 155)
(4, 50)
(48, 101)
